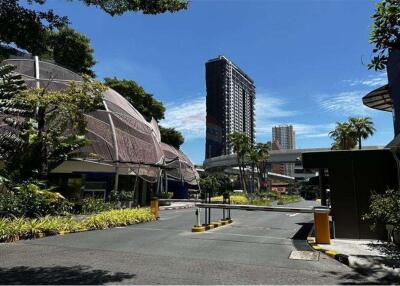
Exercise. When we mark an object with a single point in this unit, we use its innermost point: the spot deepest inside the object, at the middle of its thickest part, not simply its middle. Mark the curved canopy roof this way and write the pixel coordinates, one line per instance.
(119, 134)
(379, 99)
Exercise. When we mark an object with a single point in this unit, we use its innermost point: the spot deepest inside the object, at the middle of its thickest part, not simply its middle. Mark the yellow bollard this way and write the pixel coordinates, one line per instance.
(321, 225)
(154, 207)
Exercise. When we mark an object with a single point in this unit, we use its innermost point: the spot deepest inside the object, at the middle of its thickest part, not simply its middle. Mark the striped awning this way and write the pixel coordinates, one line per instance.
(379, 99)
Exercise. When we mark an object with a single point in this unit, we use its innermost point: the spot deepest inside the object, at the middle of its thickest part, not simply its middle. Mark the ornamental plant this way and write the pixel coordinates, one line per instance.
(384, 208)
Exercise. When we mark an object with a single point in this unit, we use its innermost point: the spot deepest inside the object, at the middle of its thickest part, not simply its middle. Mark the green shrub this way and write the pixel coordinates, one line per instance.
(165, 195)
(384, 208)
(13, 229)
(235, 199)
(261, 202)
(287, 199)
(29, 200)
(92, 205)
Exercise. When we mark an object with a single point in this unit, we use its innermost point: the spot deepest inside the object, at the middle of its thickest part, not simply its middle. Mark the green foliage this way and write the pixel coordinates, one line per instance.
(27, 29)
(343, 136)
(73, 51)
(121, 196)
(216, 183)
(235, 199)
(118, 7)
(14, 229)
(363, 128)
(138, 97)
(385, 33)
(288, 199)
(384, 208)
(29, 200)
(92, 205)
(240, 144)
(171, 136)
(165, 195)
(347, 134)
(46, 124)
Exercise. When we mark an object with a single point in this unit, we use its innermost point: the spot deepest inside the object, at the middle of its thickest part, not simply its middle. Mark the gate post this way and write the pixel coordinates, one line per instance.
(321, 225)
(154, 207)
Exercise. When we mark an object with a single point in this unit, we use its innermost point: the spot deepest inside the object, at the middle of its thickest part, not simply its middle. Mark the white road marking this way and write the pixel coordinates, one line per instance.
(245, 235)
(294, 214)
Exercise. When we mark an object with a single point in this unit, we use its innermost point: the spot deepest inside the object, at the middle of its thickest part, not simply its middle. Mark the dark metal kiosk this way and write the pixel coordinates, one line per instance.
(353, 176)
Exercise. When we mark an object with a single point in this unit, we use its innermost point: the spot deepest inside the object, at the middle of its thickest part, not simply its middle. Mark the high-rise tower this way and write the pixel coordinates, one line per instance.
(230, 105)
(286, 137)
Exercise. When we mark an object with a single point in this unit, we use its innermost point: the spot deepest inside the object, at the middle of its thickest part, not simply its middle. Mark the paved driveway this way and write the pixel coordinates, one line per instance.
(252, 250)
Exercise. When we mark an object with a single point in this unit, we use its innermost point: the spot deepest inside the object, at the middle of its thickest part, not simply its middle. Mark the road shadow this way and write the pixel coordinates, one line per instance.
(60, 275)
(366, 276)
(299, 239)
(391, 252)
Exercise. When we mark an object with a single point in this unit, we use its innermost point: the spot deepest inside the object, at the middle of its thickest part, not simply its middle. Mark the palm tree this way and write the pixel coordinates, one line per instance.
(363, 128)
(344, 136)
(258, 156)
(240, 144)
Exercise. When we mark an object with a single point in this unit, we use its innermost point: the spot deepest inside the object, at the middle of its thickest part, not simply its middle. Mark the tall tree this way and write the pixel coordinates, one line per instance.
(72, 50)
(258, 156)
(49, 124)
(172, 137)
(144, 102)
(385, 33)
(240, 143)
(363, 128)
(343, 136)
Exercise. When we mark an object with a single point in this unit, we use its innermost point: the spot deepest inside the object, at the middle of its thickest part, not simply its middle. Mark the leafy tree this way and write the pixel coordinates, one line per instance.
(49, 124)
(26, 28)
(217, 183)
(240, 143)
(144, 102)
(258, 156)
(363, 128)
(72, 50)
(385, 33)
(343, 136)
(118, 7)
(171, 136)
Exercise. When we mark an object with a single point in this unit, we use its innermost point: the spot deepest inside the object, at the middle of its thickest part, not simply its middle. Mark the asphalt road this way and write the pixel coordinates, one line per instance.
(252, 250)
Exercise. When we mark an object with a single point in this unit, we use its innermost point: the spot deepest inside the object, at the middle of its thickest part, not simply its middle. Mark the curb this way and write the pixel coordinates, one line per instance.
(342, 258)
(215, 224)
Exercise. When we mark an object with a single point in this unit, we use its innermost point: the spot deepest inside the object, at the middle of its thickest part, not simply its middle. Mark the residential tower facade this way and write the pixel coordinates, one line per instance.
(230, 105)
(285, 136)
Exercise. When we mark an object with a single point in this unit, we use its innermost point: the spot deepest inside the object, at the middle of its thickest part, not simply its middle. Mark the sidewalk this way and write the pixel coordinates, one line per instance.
(373, 260)
(177, 206)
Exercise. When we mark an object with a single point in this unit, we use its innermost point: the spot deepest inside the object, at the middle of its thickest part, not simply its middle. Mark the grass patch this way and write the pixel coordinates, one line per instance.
(261, 202)
(23, 228)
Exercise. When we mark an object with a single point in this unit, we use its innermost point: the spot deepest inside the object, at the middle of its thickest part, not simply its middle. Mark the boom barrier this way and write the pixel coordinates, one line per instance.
(256, 208)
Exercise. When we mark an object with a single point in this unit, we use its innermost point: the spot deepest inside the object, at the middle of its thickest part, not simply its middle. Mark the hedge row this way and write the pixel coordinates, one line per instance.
(24, 228)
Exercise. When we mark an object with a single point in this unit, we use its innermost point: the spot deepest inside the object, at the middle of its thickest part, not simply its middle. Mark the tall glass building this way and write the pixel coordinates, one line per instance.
(230, 105)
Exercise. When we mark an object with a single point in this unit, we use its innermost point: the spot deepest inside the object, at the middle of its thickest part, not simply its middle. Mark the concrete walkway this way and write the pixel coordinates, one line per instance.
(376, 261)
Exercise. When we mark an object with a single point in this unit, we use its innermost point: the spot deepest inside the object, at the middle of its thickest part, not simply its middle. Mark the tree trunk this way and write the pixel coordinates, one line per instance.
(42, 145)
(359, 142)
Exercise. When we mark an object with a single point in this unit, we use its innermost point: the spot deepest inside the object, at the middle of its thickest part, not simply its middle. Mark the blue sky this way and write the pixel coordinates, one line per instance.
(308, 60)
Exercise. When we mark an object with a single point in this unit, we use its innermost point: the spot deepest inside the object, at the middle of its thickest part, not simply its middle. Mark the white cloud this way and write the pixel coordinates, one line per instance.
(371, 81)
(188, 117)
(268, 106)
(347, 102)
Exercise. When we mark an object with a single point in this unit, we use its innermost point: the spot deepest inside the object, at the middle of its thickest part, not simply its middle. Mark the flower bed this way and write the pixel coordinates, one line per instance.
(24, 228)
